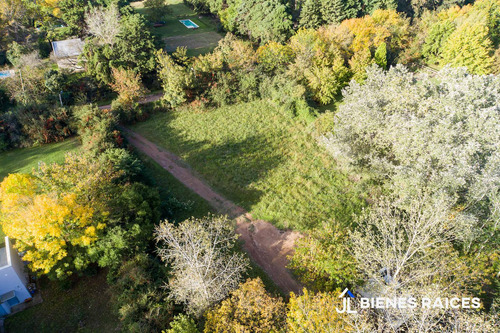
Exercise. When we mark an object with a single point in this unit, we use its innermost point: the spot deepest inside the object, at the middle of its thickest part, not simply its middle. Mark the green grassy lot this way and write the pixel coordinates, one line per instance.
(24, 160)
(178, 12)
(261, 158)
(83, 308)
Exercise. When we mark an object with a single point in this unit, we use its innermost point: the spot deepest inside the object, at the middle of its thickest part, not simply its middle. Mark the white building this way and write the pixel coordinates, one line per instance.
(13, 280)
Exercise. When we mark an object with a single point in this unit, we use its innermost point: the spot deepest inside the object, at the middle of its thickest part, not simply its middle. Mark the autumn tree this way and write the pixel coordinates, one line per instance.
(205, 267)
(274, 55)
(55, 224)
(469, 46)
(67, 216)
(322, 260)
(250, 308)
(128, 85)
(316, 313)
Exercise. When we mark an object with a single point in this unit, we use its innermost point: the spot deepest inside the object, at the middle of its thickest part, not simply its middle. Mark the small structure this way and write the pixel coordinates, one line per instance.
(5, 74)
(13, 280)
(67, 51)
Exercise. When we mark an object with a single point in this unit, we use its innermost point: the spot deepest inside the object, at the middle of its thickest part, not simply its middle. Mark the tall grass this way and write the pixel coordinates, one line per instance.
(261, 158)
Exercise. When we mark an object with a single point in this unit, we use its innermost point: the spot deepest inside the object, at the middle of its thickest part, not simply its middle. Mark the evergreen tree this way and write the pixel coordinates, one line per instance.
(333, 11)
(310, 15)
(372, 5)
(339, 10)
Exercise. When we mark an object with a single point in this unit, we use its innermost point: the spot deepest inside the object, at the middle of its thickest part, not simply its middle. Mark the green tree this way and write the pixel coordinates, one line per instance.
(336, 11)
(133, 48)
(469, 46)
(156, 10)
(73, 14)
(264, 20)
(332, 11)
(435, 40)
(174, 78)
(182, 324)
(138, 295)
(380, 56)
(372, 5)
(97, 129)
(310, 14)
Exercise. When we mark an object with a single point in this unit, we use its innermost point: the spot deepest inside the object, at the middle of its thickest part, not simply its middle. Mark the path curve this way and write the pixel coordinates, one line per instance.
(266, 245)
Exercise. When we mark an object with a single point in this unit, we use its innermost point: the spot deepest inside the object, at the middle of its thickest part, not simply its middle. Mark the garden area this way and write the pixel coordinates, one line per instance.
(200, 40)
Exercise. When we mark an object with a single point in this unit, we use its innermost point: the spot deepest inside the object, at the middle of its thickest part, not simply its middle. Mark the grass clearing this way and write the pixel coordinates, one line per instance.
(25, 159)
(86, 307)
(261, 158)
(174, 33)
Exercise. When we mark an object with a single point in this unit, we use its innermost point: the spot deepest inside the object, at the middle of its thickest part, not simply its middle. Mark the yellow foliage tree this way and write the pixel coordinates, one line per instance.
(316, 313)
(250, 309)
(57, 214)
(383, 26)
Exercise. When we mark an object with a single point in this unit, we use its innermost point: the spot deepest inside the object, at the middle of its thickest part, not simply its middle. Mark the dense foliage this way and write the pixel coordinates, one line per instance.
(68, 216)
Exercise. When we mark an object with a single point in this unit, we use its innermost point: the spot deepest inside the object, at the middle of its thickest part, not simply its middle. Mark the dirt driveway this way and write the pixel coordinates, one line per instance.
(267, 246)
(194, 41)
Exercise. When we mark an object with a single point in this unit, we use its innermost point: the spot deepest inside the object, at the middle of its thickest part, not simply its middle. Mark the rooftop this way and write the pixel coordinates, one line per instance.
(3, 257)
(68, 48)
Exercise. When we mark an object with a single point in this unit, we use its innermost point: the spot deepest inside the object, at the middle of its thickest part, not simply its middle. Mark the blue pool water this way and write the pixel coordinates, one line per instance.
(4, 74)
(189, 24)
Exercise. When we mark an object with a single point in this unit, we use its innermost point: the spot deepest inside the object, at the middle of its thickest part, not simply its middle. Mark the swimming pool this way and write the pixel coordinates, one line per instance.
(189, 24)
(4, 74)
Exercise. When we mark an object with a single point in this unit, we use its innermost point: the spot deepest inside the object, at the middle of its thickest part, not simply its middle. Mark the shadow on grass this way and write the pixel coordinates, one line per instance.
(233, 166)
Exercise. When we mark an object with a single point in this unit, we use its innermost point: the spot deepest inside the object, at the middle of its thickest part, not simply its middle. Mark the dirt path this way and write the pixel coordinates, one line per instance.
(146, 99)
(266, 245)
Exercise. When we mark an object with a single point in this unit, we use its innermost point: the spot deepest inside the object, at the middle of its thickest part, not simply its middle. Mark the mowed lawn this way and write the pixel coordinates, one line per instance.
(25, 159)
(174, 33)
(83, 308)
(261, 158)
